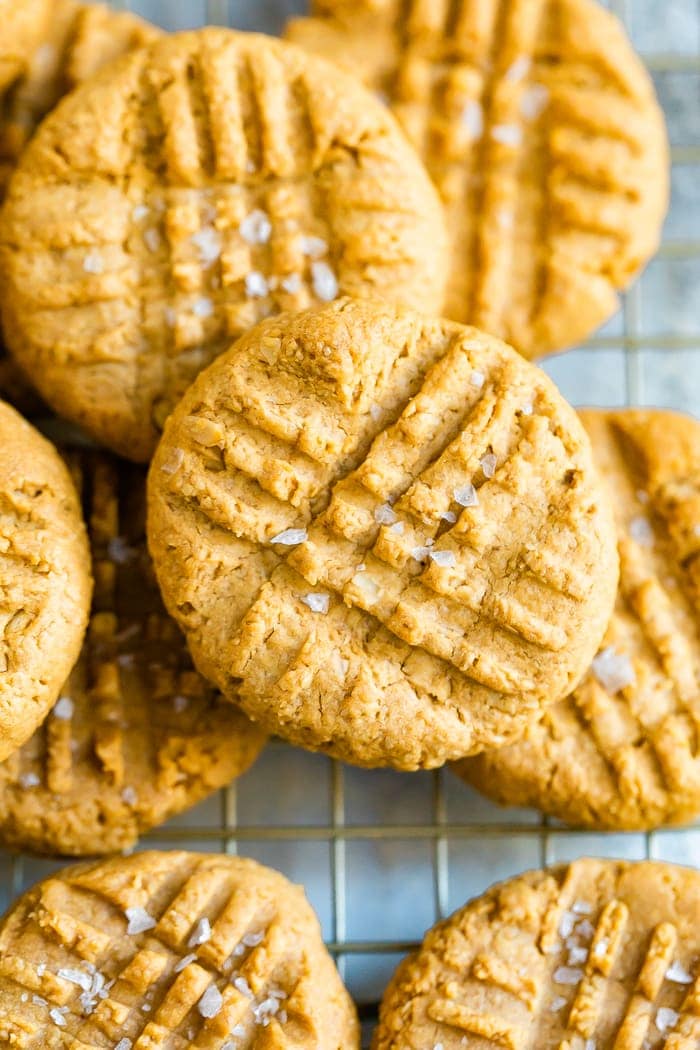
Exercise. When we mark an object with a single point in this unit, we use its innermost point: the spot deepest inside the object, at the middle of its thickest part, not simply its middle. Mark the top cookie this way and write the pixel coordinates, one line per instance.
(621, 751)
(540, 128)
(595, 955)
(22, 23)
(189, 190)
(45, 574)
(382, 534)
(169, 950)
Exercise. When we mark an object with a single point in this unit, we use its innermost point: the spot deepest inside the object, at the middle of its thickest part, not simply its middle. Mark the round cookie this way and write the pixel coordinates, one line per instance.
(45, 573)
(22, 23)
(594, 955)
(170, 950)
(621, 751)
(382, 534)
(137, 735)
(185, 193)
(541, 130)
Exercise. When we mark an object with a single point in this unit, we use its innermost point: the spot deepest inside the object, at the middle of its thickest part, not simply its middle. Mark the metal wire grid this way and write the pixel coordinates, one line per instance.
(454, 820)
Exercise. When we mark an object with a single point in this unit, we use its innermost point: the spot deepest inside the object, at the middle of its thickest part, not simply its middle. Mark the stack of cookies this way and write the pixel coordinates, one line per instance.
(310, 484)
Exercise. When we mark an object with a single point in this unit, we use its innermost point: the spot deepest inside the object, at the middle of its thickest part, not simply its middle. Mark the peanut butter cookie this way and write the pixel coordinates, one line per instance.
(45, 574)
(137, 735)
(383, 534)
(621, 751)
(169, 950)
(22, 23)
(595, 955)
(185, 193)
(540, 128)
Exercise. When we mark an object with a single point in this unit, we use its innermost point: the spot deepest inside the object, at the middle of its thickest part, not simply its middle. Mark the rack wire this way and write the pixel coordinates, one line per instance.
(384, 855)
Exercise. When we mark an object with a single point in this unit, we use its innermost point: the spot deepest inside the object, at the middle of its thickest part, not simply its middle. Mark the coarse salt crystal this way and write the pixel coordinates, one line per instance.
(201, 933)
(527, 408)
(582, 908)
(256, 286)
(466, 496)
(208, 242)
(315, 247)
(252, 940)
(566, 924)
(445, 559)
(601, 948)
(678, 974)
(557, 1004)
(385, 515)
(290, 537)
(173, 461)
(292, 284)
(152, 239)
(473, 120)
(180, 703)
(138, 920)
(39, 1001)
(534, 101)
(141, 211)
(449, 515)
(28, 780)
(420, 553)
(666, 1018)
(41, 969)
(124, 1044)
(119, 551)
(211, 1002)
(317, 602)
(488, 465)
(642, 532)
(519, 69)
(507, 134)
(64, 708)
(93, 263)
(129, 796)
(567, 975)
(399, 527)
(613, 670)
(185, 962)
(79, 977)
(203, 307)
(577, 955)
(324, 281)
(477, 379)
(243, 987)
(585, 929)
(375, 412)
(256, 228)
(590, 1044)
(57, 1015)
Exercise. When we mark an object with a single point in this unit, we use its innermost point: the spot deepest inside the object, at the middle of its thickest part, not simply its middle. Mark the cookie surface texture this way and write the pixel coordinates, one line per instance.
(621, 751)
(169, 950)
(137, 735)
(382, 533)
(597, 954)
(46, 581)
(187, 192)
(22, 24)
(541, 130)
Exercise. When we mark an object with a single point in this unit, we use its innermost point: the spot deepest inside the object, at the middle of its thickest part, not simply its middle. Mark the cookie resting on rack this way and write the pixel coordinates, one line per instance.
(595, 955)
(169, 950)
(187, 191)
(382, 534)
(45, 574)
(541, 130)
(621, 751)
(137, 735)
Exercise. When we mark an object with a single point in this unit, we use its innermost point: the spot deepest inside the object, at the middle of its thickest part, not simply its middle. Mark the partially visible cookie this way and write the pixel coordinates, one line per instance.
(183, 194)
(594, 955)
(621, 751)
(45, 580)
(541, 130)
(23, 22)
(137, 735)
(169, 950)
(382, 534)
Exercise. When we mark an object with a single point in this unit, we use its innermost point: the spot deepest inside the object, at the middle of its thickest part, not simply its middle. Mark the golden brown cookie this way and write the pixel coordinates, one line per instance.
(45, 576)
(185, 193)
(77, 40)
(621, 751)
(382, 533)
(170, 950)
(540, 128)
(22, 23)
(595, 955)
(137, 735)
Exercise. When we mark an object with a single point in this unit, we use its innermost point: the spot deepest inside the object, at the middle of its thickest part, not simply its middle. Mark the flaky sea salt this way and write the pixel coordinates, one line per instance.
(124, 1044)
(385, 515)
(613, 670)
(557, 1004)
(507, 134)
(399, 527)
(290, 537)
(208, 243)
(79, 977)
(582, 908)
(57, 1015)
(203, 307)
(577, 955)
(140, 212)
(488, 465)
(28, 780)
(666, 1018)
(256, 286)
(211, 1002)
(641, 531)
(375, 412)
(324, 281)
(566, 924)
(315, 247)
(317, 602)
(567, 975)
(292, 284)
(64, 708)
(138, 920)
(473, 120)
(185, 962)
(678, 974)
(252, 940)
(201, 933)
(241, 985)
(477, 379)
(519, 69)
(449, 516)
(466, 496)
(93, 263)
(445, 559)
(256, 228)
(534, 101)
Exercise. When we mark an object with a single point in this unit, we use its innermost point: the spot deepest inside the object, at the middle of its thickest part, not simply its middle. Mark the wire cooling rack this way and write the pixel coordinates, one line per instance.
(384, 855)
